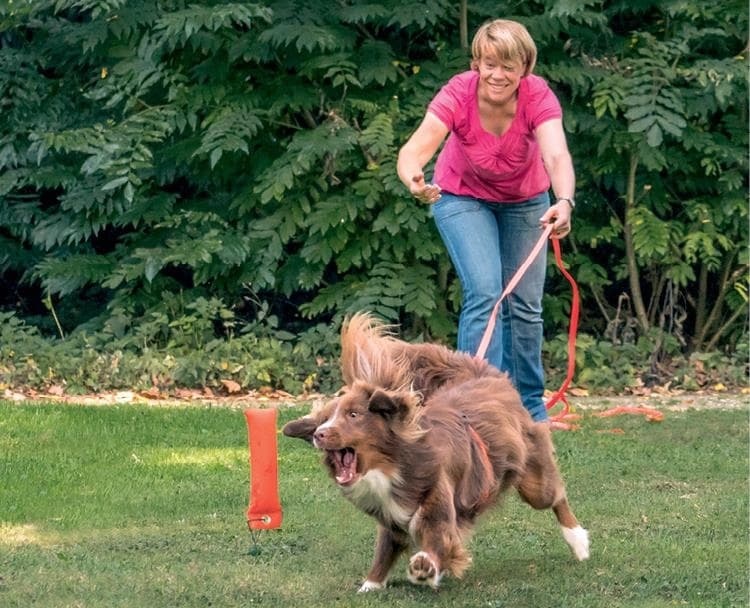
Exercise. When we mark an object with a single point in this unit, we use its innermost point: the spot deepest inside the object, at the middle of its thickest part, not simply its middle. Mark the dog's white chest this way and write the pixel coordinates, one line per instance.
(373, 494)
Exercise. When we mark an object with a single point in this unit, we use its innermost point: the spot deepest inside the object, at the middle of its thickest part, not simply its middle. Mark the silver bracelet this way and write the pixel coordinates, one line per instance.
(571, 201)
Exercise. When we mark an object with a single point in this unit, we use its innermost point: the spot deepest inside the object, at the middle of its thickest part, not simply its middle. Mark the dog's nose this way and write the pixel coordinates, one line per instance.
(320, 435)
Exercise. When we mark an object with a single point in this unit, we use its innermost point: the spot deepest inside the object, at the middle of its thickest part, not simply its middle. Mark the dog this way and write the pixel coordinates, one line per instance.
(425, 439)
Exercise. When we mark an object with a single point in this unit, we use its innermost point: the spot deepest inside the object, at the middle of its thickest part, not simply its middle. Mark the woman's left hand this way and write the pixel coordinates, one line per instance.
(559, 215)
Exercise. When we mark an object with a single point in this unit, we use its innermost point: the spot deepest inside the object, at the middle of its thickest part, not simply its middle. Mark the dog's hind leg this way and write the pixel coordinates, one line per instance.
(542, 487)
(575, 535)
(388, 547)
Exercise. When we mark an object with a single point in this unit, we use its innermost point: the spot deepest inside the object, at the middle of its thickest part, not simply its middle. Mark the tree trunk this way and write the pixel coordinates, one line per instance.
(634, 278)
(463, 23)
(701, 307)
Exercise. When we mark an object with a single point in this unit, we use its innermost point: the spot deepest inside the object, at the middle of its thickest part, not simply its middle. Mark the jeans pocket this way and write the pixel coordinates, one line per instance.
(450, 205)
(529, 213)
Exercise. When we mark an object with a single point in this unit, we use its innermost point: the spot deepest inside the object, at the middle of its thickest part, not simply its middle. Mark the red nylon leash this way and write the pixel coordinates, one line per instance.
(575, 310)
(559, 396)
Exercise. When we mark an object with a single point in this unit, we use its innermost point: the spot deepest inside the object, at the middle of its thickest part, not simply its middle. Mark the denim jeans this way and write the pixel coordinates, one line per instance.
(487, 243)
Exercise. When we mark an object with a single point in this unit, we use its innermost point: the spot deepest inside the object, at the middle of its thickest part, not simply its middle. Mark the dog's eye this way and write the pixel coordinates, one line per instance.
(353, 414)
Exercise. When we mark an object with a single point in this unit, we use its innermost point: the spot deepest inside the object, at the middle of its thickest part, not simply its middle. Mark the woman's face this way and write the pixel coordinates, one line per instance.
(498, 78)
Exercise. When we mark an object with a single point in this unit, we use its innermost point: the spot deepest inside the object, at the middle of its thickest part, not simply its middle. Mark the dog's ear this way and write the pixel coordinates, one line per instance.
(302, 428)
(388, 405)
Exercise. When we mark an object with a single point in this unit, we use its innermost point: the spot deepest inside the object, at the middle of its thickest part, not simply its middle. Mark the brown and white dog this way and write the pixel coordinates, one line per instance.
(425, 439)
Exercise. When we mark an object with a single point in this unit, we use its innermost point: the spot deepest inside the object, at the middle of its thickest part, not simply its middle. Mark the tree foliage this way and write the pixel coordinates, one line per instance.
(670, 176)
(246, 152)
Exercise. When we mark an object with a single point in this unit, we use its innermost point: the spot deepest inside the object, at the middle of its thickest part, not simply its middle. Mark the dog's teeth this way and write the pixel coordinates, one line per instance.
(345, 477)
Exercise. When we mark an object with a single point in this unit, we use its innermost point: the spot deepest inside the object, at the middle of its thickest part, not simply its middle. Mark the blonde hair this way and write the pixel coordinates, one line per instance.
(506, 40)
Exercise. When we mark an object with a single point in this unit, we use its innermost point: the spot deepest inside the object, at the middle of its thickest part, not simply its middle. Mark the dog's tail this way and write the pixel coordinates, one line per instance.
(367, 353)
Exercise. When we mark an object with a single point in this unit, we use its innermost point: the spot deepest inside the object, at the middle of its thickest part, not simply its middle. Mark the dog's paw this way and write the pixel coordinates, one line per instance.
(423, 570)
(369, 585)
(578, 539)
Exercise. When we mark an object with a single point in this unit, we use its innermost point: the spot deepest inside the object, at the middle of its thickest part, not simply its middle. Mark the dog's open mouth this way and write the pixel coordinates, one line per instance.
(344, 463)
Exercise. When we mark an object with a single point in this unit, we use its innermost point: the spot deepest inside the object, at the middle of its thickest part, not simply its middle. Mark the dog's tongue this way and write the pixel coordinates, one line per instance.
(346, 466)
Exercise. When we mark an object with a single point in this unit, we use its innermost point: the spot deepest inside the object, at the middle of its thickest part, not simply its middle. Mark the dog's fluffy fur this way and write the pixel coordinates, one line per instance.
(425, 439)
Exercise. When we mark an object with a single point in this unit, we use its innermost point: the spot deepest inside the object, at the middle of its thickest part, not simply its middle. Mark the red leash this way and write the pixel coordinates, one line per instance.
(559, 396)
(575, 309)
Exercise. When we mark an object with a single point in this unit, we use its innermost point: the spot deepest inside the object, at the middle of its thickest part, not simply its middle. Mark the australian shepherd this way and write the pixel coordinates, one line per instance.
(425, 439)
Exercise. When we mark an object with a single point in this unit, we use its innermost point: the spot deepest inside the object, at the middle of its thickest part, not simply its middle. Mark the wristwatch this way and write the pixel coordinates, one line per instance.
(572, 201)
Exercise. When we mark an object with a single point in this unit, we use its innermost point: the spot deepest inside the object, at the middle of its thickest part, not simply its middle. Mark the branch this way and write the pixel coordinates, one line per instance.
(727, 278)
(309, 119)
(361, 29)
(596, 293)
(333, 115)
(463, 23)
(700, 303)
(656, 295)
(714, 340)
(51, 307)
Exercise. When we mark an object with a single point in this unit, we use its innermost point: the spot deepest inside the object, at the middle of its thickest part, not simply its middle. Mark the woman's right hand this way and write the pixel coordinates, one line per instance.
(416, 153)
(422, 191)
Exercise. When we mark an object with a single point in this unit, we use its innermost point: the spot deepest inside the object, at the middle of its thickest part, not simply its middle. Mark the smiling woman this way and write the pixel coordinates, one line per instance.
(503, 53)
(499, 80)
(505, 149)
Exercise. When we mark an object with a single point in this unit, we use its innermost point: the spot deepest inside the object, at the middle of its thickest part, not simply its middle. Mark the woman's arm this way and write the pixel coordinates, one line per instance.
(416, 153)
(559, 166)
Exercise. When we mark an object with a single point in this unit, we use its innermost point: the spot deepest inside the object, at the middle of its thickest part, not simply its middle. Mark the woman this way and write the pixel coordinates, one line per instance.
(506, 147)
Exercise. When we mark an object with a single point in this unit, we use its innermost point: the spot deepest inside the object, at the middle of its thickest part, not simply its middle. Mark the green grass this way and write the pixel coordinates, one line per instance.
(136, 506)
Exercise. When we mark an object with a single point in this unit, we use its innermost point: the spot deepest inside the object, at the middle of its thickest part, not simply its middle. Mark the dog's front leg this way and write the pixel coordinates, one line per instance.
(435, 532)
(388, 547)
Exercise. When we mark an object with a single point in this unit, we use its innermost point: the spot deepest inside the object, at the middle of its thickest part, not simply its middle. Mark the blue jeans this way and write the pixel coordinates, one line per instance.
(487, 243)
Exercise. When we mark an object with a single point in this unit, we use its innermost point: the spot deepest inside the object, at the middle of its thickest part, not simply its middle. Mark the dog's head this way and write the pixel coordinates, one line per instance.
(359, 430)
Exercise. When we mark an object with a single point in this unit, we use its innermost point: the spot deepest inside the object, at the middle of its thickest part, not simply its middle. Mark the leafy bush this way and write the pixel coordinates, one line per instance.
(187, 355)
(161, 160)
(184, 356)
(603, 367)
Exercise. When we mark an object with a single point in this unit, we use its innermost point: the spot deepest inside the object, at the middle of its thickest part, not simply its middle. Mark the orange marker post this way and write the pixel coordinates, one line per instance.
(264, 511)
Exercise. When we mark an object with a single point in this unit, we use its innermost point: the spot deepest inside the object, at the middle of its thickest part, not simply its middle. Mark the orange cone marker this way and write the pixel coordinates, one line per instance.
(264, 512)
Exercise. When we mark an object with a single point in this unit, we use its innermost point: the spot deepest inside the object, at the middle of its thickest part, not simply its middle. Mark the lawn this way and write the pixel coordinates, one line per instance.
(140, 506)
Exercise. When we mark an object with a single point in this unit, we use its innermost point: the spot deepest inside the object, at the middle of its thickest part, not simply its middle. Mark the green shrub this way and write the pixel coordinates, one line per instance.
(183, 352)
(165, 352)
(603, 367)
(195, 148)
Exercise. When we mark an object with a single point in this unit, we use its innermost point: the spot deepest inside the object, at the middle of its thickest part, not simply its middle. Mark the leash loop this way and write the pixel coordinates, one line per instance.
(575, 310)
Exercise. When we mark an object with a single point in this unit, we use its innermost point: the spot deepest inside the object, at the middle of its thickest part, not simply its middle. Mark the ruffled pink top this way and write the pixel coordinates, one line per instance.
(506, 168)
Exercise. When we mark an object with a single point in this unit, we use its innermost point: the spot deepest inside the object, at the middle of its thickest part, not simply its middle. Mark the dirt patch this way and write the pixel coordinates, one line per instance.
(675, 402)
(237, 400)
(723, 400)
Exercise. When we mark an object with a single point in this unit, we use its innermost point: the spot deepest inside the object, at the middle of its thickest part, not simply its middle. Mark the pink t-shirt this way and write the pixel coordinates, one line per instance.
(474, 162)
